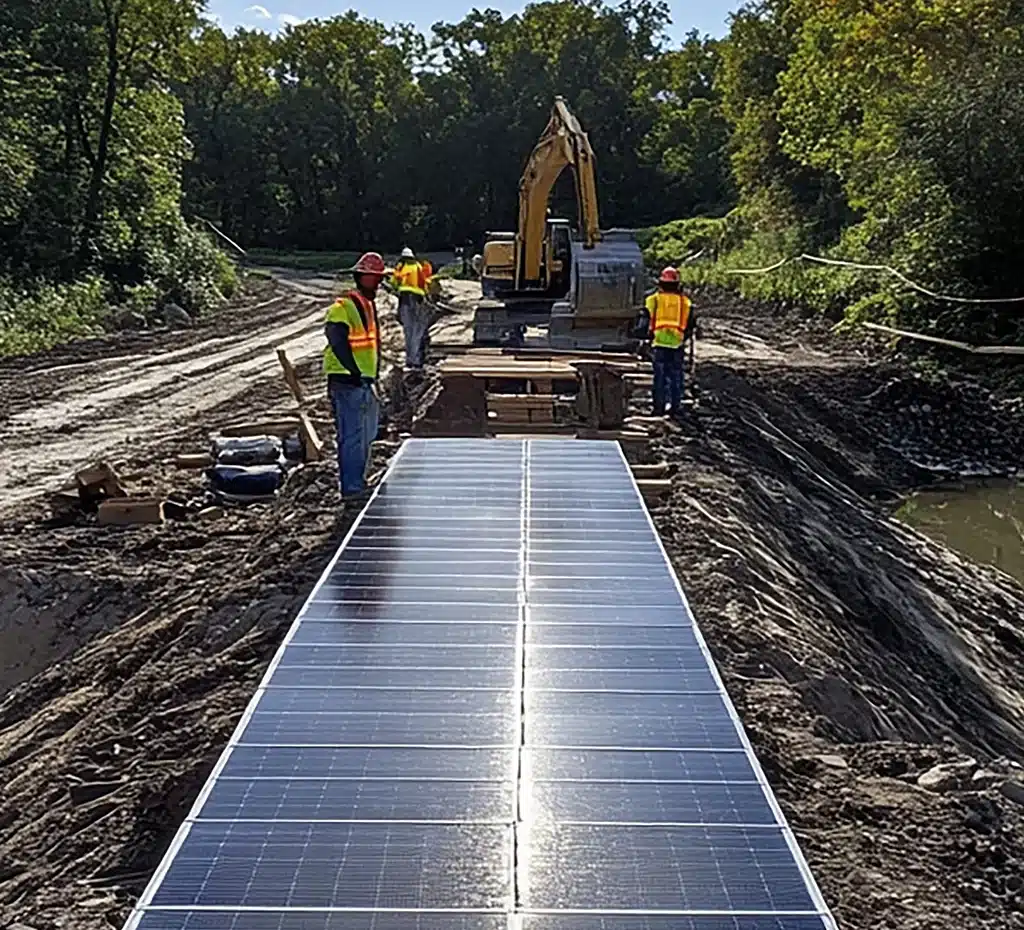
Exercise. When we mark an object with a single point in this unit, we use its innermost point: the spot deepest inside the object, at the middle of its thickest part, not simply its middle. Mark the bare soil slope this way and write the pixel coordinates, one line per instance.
(859, 653)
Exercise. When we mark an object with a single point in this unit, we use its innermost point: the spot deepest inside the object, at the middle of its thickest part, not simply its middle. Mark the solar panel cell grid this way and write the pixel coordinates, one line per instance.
(341, 633)
(394, 676)
(408, 656)
(307, 920)
(370, 865)
(493, 713)
(660, 868)
(651, 802)
(380, 728)
(308, 799)
(391, 700)
(637, 766)
(248, 762)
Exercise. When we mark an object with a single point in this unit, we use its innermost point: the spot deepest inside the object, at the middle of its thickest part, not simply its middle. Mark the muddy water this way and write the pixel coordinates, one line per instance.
(984, 523)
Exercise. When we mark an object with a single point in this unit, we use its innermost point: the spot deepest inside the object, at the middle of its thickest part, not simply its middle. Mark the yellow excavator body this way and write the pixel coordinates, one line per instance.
(547, 274)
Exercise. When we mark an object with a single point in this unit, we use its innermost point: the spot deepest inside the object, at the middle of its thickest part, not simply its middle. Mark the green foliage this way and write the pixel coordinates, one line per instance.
(92, 151)
(302, 260)
(883, 134)
(39, 315)
(342, 134)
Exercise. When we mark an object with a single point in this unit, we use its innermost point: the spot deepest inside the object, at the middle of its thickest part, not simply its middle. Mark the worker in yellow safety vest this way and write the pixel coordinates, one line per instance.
(412, 279)
(350, 363)
(671, 325)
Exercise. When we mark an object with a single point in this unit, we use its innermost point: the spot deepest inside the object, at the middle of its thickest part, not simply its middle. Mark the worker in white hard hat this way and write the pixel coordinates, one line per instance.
(411, 279)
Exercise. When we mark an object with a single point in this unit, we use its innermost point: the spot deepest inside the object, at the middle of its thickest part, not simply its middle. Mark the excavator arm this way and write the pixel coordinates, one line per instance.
(563, 144)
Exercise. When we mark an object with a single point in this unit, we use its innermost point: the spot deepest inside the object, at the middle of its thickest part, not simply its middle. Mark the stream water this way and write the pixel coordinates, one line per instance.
(983, 522)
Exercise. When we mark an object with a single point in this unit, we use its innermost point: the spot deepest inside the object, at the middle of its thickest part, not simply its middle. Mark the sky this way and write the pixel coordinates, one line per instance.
(707, 16)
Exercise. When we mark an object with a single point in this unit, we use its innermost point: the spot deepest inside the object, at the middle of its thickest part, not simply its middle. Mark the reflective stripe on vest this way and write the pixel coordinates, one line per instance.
(410, 279)
(671, 314)
(363, 338)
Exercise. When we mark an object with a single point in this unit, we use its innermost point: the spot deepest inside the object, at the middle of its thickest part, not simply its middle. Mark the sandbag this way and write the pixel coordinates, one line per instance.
(248, 481)
(247, 450)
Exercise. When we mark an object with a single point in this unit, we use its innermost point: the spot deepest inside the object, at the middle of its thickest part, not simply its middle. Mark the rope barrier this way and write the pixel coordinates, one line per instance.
(860, 266)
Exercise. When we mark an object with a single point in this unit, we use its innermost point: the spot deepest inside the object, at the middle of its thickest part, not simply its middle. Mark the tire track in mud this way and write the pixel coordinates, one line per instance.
(105, 407)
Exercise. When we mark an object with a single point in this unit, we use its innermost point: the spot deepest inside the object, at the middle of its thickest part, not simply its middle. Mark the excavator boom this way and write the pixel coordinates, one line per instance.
(562, 145)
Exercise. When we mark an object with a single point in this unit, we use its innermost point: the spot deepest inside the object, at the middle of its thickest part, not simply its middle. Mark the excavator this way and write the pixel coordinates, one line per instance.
(583, 286)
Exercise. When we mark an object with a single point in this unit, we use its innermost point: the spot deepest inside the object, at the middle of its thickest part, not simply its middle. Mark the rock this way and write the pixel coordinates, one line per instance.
(947, 776)
(986, 778)
(1013, 791)
(210, 513)
(130, 320)
(176, 316)
(833, 762)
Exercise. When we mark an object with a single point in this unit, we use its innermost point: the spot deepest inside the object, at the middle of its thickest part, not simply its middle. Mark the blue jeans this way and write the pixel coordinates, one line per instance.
(356, 414)
(668, 379)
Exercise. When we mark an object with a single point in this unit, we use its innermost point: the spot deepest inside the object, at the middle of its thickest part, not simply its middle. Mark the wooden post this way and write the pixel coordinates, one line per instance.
(601, 402)
(290, 376)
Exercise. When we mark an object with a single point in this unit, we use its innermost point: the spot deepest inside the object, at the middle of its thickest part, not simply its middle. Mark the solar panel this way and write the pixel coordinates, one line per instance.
(494, 712)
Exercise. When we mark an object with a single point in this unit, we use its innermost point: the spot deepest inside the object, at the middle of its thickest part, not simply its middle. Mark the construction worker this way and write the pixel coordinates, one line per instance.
(350, 363)
(410, 279)
(671, 324)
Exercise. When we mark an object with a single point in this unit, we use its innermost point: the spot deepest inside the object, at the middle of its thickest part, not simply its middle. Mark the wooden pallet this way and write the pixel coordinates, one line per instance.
(520, 409)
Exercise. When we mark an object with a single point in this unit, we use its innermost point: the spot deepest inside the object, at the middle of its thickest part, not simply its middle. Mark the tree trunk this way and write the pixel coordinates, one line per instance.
(90, 219)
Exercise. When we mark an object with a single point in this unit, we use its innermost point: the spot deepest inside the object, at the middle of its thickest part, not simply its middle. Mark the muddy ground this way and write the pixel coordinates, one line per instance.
(859, 653)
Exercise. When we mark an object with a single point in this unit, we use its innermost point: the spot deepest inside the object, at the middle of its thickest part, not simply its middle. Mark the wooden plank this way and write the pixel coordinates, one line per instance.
(613, 434)
(290, 376)
(642, 422)
(507, 430)
(99, 480)
(527, 401)
(127, 511)
(312, 444)
(194, 460)
(659, 470)
(283, 426)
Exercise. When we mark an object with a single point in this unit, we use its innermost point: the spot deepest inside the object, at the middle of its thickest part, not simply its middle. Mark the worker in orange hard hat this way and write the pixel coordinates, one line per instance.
(351, 358)
(671, 325)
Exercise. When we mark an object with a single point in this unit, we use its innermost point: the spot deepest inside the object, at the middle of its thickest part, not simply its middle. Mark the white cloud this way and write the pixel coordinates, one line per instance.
(211, 18)
(260, 11)
(288, 19)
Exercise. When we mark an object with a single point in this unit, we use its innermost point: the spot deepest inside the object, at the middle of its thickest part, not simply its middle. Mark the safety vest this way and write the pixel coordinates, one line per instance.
(410, 278)
(669, 316)
(363, 337)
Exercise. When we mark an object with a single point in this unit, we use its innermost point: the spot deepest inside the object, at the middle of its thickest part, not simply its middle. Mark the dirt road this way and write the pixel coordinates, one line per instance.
(115, 404)
(860, 653)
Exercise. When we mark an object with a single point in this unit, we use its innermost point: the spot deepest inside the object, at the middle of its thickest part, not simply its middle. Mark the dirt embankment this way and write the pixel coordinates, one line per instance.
(859, 653)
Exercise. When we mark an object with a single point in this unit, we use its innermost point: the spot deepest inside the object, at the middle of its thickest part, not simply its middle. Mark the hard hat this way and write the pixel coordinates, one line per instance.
(408, 253)
(669, 275)
(370, 263)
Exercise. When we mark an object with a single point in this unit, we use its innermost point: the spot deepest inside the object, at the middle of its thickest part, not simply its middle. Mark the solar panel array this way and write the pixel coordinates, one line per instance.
(495, 710)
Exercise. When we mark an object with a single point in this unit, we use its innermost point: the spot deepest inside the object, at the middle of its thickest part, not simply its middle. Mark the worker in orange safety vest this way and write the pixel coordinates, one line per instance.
(671, 325)
(411, 279)
(351, 359)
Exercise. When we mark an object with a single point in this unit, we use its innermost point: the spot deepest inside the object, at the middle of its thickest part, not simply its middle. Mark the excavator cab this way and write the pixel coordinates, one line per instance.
(498, 275)
(584, 286)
